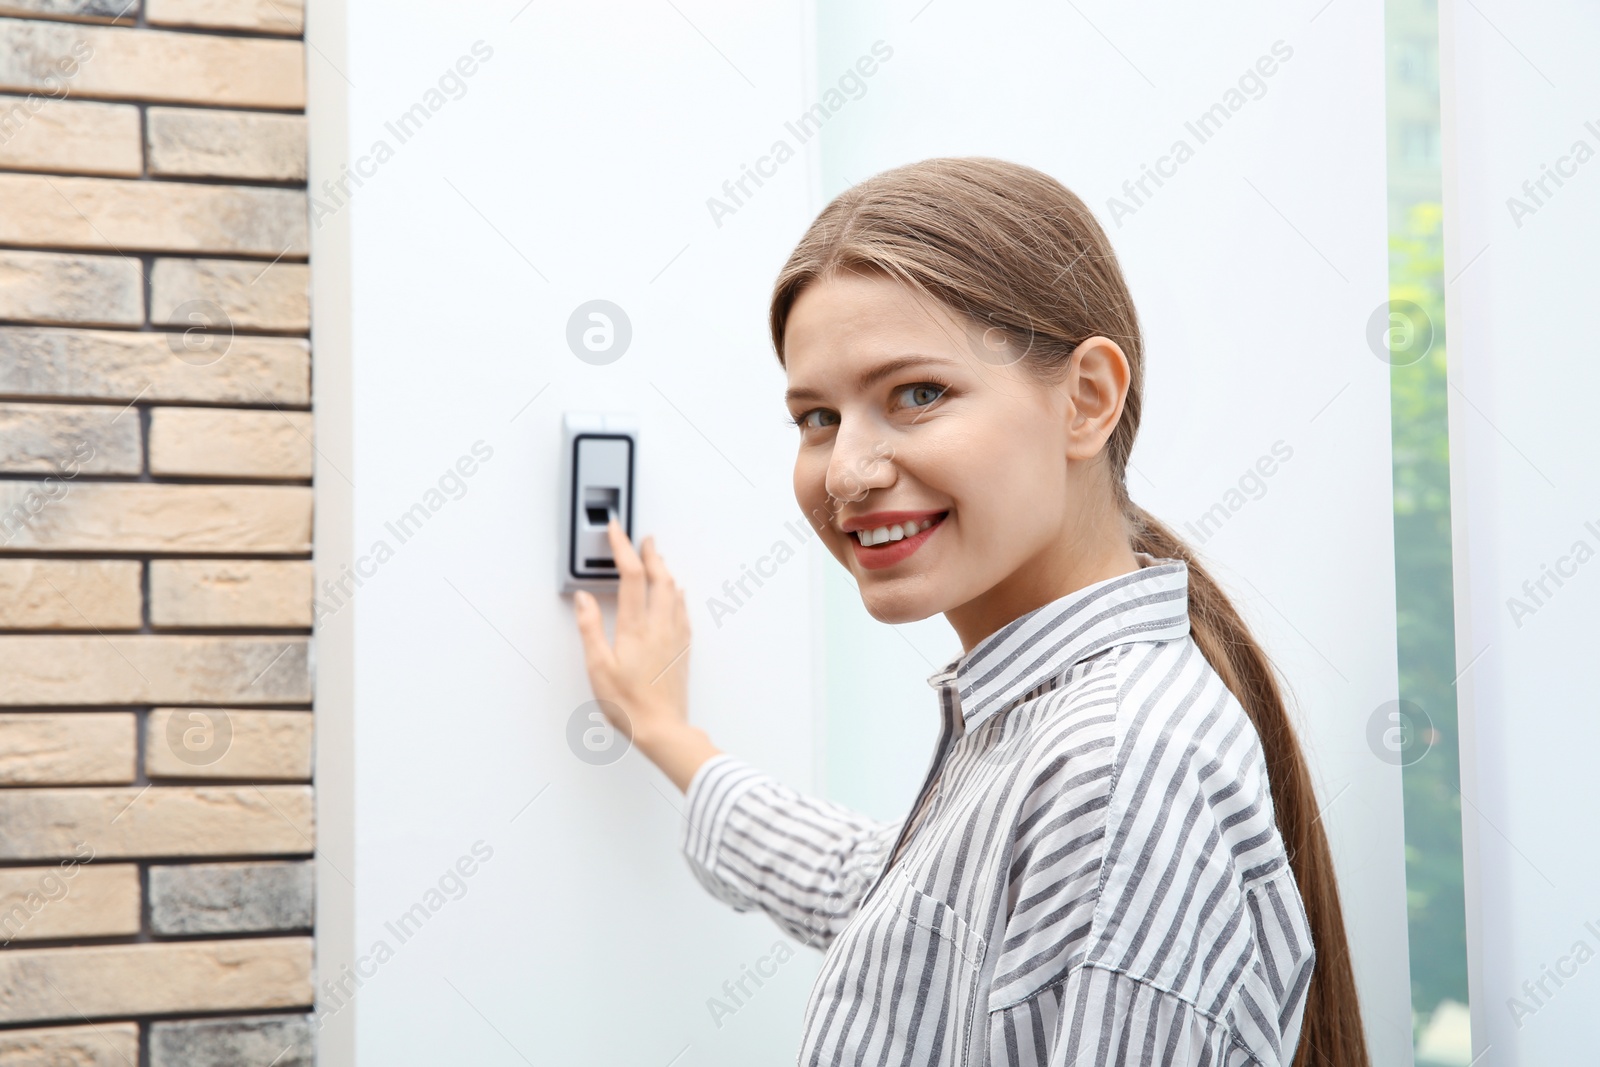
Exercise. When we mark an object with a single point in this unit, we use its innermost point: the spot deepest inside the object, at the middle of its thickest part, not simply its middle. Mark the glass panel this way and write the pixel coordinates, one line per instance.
(1424, 719)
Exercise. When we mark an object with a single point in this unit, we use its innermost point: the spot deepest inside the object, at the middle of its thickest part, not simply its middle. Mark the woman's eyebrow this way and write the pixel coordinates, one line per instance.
(872, 375)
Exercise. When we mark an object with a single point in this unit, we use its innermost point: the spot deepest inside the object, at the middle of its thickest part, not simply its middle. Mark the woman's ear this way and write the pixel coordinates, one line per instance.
(1096, 388)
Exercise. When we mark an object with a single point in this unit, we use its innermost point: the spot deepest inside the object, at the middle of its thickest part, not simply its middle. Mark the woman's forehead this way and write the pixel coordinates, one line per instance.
(858, 318)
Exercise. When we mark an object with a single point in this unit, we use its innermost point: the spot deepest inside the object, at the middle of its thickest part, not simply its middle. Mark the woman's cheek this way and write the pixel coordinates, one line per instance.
(809, 490)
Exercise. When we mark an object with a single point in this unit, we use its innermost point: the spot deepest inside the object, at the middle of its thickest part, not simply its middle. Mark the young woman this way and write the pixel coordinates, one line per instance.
(1115, 857)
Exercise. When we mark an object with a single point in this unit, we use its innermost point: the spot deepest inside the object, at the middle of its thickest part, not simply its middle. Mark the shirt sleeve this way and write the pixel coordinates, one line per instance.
(754, 842)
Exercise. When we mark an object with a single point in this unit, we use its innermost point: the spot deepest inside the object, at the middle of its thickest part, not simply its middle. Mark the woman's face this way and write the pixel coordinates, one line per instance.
(910, 413)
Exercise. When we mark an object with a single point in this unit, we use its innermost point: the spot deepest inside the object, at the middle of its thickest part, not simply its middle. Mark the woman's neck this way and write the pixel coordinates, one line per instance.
(1065, 568)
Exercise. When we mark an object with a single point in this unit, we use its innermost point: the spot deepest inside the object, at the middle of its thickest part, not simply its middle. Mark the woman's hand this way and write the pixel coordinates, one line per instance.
(642, 680)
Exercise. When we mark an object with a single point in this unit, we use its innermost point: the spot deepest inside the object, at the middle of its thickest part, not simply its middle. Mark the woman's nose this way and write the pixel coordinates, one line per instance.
(860, 461)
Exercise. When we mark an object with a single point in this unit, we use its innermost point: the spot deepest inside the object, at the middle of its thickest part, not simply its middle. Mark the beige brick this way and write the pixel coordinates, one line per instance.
(230, 592)
(53, 287)
(69, 439)
(69, 899)
(69, 594)
(230, 443)
(75, 516)
(44, 361)
(87, 10)
(118, 215)
(82, 748)
(101, 1045)
(38, 132)
(153, 669)
(228, 743)
(91, 982)
(129, 822)
(124, 63)
(207, 143)
(277, 297)
(265, 16)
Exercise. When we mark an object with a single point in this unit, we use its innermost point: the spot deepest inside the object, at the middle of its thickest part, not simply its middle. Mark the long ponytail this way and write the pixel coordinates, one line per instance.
(1021, 256)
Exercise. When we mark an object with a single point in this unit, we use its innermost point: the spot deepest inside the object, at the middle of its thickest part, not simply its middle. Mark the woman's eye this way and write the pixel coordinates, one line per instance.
(923, 393)
(804, 421)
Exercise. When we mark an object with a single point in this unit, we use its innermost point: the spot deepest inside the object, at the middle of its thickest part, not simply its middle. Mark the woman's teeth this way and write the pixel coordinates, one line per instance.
(884, 534)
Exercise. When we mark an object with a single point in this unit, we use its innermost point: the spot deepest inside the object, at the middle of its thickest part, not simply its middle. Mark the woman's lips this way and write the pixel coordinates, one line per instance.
(892, 552)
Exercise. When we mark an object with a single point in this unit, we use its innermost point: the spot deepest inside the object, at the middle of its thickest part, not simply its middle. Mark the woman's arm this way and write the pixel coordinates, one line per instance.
(679, 750)
(752, 841)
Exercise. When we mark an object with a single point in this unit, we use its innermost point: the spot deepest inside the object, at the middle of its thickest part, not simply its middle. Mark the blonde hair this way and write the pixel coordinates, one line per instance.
(1009, 247)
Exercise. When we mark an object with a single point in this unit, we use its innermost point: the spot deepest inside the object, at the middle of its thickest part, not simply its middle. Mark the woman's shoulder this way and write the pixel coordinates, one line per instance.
(1188, 765)
(1154, 725)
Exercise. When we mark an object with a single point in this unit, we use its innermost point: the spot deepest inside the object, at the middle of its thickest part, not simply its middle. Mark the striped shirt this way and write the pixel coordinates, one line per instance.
(1091, 872)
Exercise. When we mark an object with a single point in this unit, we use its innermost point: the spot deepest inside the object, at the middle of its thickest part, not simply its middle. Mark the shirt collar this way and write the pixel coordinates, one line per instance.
(1149, 604)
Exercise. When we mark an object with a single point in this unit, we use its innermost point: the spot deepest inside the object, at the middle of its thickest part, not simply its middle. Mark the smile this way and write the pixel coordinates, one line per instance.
(884, 546)
(893, 532)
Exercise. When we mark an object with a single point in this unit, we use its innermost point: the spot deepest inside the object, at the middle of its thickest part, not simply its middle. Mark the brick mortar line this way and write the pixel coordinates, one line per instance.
(96, 401)
(156, 253)
(292, 185)
(132, 555)
(175, 631)
(127, 940)
(145, 478)
(140, 23)
(141, 101)
(71, 709)
(142, 327)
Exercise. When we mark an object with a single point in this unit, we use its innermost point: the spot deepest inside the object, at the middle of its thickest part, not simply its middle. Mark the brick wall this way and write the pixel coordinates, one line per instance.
(156, 817)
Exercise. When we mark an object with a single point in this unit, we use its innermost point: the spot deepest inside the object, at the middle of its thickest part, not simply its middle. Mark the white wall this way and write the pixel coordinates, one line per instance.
(1520, 87)
(576, 166)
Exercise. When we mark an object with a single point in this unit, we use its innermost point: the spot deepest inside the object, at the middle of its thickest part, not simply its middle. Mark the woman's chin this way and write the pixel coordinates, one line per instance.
(897, 606)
